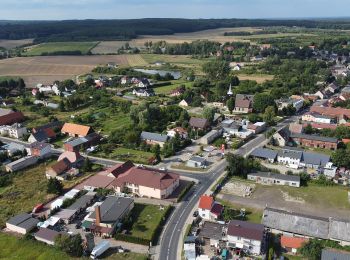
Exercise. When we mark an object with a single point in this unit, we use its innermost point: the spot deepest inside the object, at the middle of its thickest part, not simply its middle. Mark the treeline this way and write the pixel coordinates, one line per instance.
(203, 48)
(246, 33)
(84, 30)
(59, 53)
(7, 85)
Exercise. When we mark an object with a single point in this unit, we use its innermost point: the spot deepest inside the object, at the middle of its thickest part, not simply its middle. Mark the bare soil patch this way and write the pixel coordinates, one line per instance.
(9, 44)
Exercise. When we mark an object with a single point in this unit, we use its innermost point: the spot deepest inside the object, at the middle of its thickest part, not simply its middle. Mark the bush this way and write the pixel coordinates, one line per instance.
(184, 191)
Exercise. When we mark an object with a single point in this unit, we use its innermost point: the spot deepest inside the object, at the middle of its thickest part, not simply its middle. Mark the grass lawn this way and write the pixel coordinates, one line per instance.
(145, 219)
(15, 248)
(27, 190)
(182, 166)
(329, 197)
(51, 47)
(252, 214)
(175, 84)
(124, 154)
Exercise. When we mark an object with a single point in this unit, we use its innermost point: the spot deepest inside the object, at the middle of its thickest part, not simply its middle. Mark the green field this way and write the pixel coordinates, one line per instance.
(125, 154)
(27, 190)
(145, 220)
(15, 248)
(330, 197)
(126, 256)
(52, 47)
(175, 84)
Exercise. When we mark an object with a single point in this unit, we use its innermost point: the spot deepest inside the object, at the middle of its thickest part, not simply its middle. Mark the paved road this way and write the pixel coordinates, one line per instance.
(170, 245)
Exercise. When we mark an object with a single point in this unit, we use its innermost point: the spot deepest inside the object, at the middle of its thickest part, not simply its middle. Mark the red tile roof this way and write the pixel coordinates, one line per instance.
(76, 129)
(120, 168)
(146, 177)
(206, 202)
(331, 111)
(11, 118)
(61, 166)
(292, 242)
(322, 126)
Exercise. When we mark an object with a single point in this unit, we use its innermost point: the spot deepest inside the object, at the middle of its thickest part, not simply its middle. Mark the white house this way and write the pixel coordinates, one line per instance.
(290, 157)
(22, 223)
(181, 131)
(318, 118)
(14, 131)
(208, 208)
(246, 236)
(269, 178)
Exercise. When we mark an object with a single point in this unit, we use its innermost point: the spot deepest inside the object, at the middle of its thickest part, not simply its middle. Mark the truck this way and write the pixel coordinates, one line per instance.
(100, 249)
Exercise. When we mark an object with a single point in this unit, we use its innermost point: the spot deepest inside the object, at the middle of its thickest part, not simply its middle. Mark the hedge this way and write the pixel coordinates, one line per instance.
(184, 191)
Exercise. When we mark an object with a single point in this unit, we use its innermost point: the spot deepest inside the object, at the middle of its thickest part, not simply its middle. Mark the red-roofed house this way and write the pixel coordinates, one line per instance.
(11, 118)
(292, 244)
(145, 182)
(244, 104)
(208, 208)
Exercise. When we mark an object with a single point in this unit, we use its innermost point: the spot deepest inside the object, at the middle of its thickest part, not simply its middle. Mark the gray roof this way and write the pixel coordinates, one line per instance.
(296, 223)
(316, 138)
(197, 159)
(339, 230)
(77, 141)
(211, 230)
(113, 208)
(82, 202)
(333, 254)
(46, 234)
(315, 158)
(264, 153)
(290, 154)
(13, 146)
(346, 89)
(276, 176)
(23, 220)
(40, 136)
(154, 136)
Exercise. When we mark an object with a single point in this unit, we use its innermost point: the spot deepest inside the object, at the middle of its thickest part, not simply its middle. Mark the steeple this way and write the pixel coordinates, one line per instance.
(229, 92)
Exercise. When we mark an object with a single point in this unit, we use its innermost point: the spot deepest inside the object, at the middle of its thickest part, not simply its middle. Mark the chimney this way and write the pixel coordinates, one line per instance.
(98, 216)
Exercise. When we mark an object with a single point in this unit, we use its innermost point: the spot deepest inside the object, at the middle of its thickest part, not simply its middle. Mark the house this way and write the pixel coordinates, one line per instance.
(177, 92)
(282, 136)
(321, 126)
(321, 94)
(190, 247)
(21, 163)
(185, 103)
(210, 137)
(285, 103)
(264, 154)
(154, 138)
(39, 149)
(45, 135)
(14, 131)
(237, 67)
(337, 112)
(243, 104)
(54, 125)
(333, 88)
(196, 162)
(257, 127)
(318, 118)
(9, 117)
(109, 215)
(143, 92)
(76, 130)
(74, 158)
(58, 169)
(178, 130)
(46, 236)
(208, 208)
(292, 244)
(270, 178)
(212, 232)
(146, 182)
(292, 223)
(292, 158)
(82, 143)
(315, 141)
(199, 123)
(13, 148)
(70, 213)
(125, 80)
(144, 83)
(22, 223)
(246, 236)
(334, 254)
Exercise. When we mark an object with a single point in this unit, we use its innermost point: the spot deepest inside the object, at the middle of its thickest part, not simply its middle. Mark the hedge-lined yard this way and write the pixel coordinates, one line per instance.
(145, 224)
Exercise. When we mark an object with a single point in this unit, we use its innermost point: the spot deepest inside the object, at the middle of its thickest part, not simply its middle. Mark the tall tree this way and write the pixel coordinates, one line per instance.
(230, 104)
(217, 69)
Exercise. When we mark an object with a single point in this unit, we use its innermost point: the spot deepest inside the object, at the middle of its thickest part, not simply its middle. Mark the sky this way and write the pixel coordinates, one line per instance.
(124, 9)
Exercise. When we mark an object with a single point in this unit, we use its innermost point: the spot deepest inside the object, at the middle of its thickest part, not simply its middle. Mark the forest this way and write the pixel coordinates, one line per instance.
(84, 30)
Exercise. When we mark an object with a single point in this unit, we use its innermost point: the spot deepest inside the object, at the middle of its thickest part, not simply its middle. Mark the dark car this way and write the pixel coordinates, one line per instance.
(78, 225)
(195, 214)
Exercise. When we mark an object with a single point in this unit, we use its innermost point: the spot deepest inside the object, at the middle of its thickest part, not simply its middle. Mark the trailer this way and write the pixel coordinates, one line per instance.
(100, 249)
